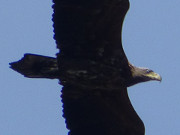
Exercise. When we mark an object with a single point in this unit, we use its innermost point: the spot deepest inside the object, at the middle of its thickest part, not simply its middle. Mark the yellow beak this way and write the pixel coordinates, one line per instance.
(154, 76)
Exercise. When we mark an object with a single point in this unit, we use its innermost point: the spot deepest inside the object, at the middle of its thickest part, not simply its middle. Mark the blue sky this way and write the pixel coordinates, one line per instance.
(151, 37)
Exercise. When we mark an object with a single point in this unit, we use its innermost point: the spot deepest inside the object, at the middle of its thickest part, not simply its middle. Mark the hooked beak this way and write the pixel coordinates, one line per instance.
(154, 76)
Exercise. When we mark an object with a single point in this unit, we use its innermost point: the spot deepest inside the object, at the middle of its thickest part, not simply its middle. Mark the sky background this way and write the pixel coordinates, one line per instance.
(151, 37)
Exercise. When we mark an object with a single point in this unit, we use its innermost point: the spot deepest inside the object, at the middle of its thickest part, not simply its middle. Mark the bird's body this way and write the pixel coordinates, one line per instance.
(92, 67)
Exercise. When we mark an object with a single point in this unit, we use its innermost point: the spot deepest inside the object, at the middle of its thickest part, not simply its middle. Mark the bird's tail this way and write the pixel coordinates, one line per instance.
(36, 66)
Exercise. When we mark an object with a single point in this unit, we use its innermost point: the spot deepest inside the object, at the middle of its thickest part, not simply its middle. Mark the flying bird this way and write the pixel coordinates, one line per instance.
(92, 68)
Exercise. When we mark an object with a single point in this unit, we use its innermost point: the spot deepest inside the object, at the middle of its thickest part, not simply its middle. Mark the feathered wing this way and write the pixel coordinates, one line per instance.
(89, 29)
(93, 67)
(99, 112)
(88, 34)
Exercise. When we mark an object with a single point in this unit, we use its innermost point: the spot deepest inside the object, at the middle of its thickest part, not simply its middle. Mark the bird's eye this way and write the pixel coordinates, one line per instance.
(148, 71)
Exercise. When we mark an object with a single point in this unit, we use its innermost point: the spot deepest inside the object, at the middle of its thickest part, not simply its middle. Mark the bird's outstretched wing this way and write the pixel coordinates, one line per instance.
(88, 34)
(93, 67)
(99, 112)
(90, 28)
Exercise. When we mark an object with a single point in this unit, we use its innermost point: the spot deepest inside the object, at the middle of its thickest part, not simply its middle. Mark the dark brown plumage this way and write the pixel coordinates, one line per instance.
(92, 67)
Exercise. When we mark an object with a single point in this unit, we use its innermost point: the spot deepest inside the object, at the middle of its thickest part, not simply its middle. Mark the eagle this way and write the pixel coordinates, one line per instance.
(92, 68)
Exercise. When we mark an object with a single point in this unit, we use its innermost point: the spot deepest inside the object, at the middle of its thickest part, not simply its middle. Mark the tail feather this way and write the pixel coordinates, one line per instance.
(36, 66)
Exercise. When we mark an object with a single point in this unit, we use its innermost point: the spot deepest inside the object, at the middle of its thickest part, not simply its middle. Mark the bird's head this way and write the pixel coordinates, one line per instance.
(140, 74)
